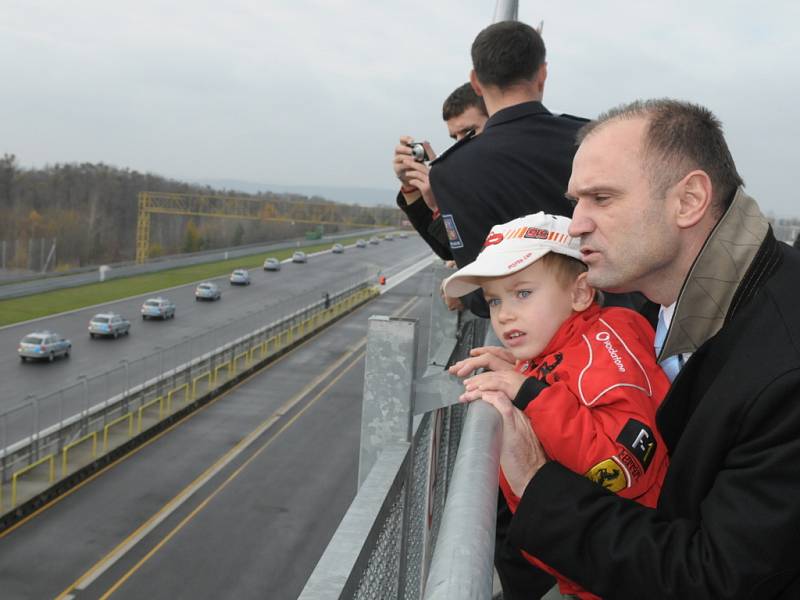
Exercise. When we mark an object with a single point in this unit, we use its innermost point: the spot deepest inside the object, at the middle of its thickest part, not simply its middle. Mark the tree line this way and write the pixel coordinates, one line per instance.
(90, 211)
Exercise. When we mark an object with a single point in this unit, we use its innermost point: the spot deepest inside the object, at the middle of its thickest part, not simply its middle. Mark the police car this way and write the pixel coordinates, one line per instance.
(160, 308)
(109, 324)
(43, 345)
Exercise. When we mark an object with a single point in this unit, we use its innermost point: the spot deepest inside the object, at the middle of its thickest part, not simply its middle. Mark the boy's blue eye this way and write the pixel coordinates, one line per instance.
(493, 302)
(523, 293)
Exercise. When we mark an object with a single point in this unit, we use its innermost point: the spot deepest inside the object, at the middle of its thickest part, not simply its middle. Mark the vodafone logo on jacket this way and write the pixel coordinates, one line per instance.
(605, 338)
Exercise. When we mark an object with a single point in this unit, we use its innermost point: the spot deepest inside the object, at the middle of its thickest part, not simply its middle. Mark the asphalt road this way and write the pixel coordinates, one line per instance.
(238, 500)
(155, 346)
(33, 283)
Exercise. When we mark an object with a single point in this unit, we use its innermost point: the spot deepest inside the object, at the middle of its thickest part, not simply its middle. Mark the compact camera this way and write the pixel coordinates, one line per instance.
(421, 151)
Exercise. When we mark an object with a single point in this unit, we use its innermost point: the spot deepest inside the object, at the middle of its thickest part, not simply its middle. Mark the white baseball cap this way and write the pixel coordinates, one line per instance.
(511, 247)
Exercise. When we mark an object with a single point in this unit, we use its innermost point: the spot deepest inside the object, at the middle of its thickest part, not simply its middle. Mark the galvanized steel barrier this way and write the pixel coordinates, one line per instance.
(399, 539)
(416, 450)
(47, 439)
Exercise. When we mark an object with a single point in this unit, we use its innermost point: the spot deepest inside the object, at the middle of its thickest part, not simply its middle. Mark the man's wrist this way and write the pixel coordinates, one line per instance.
(410, 193)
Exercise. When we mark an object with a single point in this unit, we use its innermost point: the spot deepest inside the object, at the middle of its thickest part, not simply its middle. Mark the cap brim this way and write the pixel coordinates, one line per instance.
(467, 280)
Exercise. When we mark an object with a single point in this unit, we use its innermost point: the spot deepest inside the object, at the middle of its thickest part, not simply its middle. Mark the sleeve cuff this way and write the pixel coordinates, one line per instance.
(531, 388)
(550, 500)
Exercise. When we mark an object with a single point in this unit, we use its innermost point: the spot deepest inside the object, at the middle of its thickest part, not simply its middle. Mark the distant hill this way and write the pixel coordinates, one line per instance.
(348, 195)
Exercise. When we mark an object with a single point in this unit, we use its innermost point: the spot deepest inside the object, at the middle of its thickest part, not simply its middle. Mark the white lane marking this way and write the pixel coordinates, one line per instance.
(120, 551)
(421, 263)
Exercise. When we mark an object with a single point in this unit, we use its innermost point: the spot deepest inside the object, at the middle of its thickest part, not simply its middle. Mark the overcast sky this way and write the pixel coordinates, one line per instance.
(316, 93)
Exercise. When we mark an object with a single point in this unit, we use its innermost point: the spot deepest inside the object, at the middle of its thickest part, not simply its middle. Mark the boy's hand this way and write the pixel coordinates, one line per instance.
(492, 358)
(522, 454)
(507, 382)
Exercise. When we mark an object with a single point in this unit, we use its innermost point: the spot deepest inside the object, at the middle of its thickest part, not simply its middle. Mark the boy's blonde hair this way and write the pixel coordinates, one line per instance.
(565, 268)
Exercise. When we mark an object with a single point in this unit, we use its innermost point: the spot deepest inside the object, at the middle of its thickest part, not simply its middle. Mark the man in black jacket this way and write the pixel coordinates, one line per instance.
(521, 162)
(660, 208)
(464, 113)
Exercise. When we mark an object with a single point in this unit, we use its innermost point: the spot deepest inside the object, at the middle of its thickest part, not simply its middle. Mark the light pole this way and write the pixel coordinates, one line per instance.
(35, 416)
(185, 341)
(124, 363)
(160, 352)
(82, 379)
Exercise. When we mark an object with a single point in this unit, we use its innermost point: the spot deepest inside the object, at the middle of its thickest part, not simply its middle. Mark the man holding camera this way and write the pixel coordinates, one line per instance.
(522, 161)
(464, 112)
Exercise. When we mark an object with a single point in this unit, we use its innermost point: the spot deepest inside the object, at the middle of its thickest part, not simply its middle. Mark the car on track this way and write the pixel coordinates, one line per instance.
(299, 257)
(240, 277)
(109, 324)
(361, 243)
(337, 249)
(160, 308)
(207, 291)
(374, 240)
(389, 237)
(272, 264)
(403, 235)
(43, 345)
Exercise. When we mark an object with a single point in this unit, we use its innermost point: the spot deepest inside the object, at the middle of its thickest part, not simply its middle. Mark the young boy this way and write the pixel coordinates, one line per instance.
(585, 376)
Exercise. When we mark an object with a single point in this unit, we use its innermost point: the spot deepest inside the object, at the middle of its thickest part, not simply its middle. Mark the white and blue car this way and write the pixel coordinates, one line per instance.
(43, 345)
(158, 308)
(109, 324)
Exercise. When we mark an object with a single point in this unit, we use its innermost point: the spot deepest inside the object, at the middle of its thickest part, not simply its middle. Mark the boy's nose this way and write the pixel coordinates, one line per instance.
(504, 314)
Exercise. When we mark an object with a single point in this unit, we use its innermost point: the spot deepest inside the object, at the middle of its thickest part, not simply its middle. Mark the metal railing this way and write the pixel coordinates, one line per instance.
(399, 539)
(410, 460)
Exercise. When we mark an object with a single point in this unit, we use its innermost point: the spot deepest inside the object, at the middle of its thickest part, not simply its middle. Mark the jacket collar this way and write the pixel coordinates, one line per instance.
(720, 270)
(512, 113)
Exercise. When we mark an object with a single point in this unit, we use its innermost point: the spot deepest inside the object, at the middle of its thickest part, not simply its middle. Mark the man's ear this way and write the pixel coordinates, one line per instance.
(582, 293)
(695, 198)
(473, 81)
(541, 77)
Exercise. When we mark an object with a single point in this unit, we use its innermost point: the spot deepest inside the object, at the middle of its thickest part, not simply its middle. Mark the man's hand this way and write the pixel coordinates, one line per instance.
(507, 382)
(449, 302)
(402, 151)
(416, 174)
(492, 358)
(522, 454)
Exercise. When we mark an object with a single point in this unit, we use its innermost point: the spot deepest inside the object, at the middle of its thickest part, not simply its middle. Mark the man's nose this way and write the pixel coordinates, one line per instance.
(581, 224)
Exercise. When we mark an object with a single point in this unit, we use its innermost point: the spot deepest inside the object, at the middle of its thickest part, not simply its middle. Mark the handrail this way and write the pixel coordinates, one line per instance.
(463, 561)
(423, 521)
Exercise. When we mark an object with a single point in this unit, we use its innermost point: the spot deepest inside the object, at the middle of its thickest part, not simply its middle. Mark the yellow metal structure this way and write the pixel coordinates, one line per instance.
(50, 459)
(237, 207)
(126, 417)
(91, 436)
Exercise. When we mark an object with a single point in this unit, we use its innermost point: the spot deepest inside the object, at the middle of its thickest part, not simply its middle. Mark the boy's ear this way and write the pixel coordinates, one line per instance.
(582, 293)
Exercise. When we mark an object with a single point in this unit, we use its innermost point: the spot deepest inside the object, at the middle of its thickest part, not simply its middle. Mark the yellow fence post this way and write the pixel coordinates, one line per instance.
(144, 407)
(235, 362)
(77, 442)
(52, 475)
(185, 388)
(128, 416)
(198, 378)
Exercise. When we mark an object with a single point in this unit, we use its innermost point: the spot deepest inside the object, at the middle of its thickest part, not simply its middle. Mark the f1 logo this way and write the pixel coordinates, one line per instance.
(638, 438)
